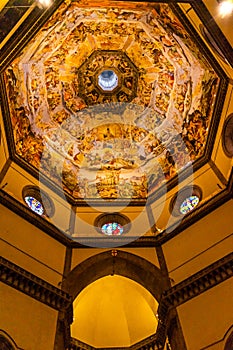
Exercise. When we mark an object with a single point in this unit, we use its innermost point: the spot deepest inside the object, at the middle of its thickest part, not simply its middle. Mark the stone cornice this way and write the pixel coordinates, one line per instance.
(33, 286)
(191, 287)
(201, 281)
(145, 344)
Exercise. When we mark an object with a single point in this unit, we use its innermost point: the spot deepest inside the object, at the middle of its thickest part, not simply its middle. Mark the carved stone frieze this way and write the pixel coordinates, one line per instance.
(33, 286)
(200, 282)
(146, 344)
(191, 287)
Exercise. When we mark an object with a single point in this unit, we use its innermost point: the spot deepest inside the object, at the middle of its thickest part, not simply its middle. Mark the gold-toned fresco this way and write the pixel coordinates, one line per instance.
(130, 140)
(114, 60)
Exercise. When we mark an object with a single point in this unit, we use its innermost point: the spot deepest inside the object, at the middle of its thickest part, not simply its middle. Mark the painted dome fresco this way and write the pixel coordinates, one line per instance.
(112, 102)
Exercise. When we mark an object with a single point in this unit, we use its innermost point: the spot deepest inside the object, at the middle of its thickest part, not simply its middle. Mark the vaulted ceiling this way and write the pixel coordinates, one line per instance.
(115, 107)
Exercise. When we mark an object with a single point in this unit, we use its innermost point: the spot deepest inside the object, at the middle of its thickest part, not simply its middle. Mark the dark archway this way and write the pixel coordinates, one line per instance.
(124, 264)
(229, 342)
(6, 342)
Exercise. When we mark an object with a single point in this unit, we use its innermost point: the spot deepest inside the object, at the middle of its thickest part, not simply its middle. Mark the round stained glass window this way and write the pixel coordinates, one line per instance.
(189, 204)
(185, 200)
(112, 224)
(34, 205)
(38, 201)
(112, 229)
(108, 80)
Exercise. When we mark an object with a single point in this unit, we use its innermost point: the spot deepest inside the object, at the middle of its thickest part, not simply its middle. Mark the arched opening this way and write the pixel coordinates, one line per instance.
(114, 311)
(124, 264)
(137, 271)
(6, 342)
(229, 342)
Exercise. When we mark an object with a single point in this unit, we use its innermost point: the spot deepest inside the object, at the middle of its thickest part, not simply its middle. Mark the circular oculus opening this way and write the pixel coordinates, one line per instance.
(108, 80)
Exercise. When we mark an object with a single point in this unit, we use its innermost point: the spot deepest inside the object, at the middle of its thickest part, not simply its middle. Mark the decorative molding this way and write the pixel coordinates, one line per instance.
(192, 287)
(200, 282)
(116, 241)
(149, 343)
(24, 281)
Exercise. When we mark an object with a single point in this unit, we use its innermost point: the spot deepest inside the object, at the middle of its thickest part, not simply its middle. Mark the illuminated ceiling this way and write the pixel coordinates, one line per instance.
(167, 87)
(124, 315)
(111, 106)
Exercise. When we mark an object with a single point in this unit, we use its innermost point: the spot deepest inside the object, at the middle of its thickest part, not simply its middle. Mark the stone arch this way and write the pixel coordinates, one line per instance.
(6, 342)
(124, 264)
(229, 340)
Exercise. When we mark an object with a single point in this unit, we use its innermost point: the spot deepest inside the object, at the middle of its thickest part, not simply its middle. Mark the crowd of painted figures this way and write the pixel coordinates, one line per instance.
(105, 153)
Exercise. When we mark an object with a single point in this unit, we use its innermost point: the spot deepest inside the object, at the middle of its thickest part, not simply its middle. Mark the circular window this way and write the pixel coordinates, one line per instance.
(189, 204)
(38, 201)
(185, 200)
(112, 229)
(34, 204)
(227, 136)
(113, 224)
(108, 80)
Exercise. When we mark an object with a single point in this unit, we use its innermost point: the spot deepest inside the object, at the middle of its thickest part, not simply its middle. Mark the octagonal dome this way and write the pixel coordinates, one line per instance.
(121, 143)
